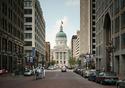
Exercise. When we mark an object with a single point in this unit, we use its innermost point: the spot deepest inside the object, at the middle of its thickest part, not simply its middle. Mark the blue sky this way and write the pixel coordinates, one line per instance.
(56, 10)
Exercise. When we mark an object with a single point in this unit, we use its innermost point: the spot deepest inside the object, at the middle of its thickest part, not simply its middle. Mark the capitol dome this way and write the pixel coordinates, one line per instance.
(61, 34)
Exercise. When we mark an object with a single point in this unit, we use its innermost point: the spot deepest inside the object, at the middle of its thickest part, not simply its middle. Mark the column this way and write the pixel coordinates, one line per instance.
(59, 58)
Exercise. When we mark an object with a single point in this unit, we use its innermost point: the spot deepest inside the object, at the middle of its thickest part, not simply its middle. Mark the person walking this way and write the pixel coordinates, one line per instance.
(43, 70)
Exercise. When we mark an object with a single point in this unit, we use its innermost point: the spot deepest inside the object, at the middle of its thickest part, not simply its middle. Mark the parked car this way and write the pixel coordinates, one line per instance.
(121, 83)
(81, 71)
(106, 78)
(63, 69)
(3, 71)
(92, 75)
(50, 68)
(77, 70)
(86, 73)
(28, 72)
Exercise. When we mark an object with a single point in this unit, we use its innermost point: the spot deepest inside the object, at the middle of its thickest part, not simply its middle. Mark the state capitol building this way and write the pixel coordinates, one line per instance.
(61, 50)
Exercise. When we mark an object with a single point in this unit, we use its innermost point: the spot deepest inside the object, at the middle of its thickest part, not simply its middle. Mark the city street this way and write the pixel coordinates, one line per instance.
(54, 79)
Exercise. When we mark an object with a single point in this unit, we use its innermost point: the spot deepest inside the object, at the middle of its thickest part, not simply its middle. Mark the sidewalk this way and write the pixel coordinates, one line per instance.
(10, 76)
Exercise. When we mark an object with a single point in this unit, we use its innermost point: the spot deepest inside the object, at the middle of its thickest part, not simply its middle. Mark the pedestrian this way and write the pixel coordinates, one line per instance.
(43, 70)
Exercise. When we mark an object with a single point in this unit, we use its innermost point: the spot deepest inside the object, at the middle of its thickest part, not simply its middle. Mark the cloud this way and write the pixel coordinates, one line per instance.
(72, 2)
(51, 35)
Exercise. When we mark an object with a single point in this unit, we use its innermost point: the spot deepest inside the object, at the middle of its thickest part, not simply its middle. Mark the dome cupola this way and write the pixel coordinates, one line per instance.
(61, 34)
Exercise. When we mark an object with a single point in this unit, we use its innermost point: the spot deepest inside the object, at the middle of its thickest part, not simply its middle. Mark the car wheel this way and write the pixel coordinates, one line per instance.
(118, 86)
(102, 82)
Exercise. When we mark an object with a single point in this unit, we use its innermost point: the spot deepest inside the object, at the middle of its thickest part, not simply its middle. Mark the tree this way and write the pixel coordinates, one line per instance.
(53, 62)
(78, 62)
(72, 62)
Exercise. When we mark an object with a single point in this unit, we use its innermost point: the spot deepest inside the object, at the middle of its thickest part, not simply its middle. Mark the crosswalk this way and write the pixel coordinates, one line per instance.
(58, 70)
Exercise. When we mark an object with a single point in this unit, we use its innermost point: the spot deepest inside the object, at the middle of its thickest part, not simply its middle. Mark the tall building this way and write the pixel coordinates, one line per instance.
(47, 56)
(73, 46)
(78, 45)
(84, 26)
(92, 28)
(61, 50)
(34, 33)
(84, 30)
(110, 36)
(11, 34)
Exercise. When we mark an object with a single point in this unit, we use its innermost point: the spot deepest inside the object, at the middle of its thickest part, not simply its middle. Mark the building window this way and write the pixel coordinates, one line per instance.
(117, 25)
(122, 3)
(28, 43)
(93, 28)
(10, 46)
(28, 27)
(27, 11)
(60, 55)
(93, 52)
(116, 6)
(64, 62)
(93, 23)
(93, 17)
(123, 20)
(93, 34)
(28, 35)
(27, 3)
(123, 41)
(61, 62)
(117, 41)
(57, 55)
(28, 19)
(93, 46)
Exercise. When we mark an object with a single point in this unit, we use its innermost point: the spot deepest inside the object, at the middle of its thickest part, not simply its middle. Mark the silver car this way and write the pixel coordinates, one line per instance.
(28, 72)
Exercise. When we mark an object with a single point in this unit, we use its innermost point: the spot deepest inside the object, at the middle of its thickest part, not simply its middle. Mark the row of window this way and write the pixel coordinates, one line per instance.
(27, 3)
(15, 16)
(9, 46)
(7, 62)
(28, 36)
(10, 28)
(27, 19)
(61, 55)
(27, 11)
(27, 27)
(117, 23)
(117, 42)
(61, 62)
(118, 4)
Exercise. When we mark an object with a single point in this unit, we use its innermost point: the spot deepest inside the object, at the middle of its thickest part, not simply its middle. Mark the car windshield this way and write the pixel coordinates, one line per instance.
(27, 70)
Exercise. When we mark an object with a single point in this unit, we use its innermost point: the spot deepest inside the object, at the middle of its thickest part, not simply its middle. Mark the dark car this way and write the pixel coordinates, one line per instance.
(92, 75)
(107, 78)
(121, 84)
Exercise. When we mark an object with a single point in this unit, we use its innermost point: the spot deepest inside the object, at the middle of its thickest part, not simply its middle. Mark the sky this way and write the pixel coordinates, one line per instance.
(55, 11)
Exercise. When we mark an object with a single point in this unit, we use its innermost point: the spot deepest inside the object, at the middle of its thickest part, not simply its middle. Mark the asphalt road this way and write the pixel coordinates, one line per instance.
(54, 79)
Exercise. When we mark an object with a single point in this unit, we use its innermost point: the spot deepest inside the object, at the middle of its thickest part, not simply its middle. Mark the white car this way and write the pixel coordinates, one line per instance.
(28, 72)
(50, 68)
(63, 69)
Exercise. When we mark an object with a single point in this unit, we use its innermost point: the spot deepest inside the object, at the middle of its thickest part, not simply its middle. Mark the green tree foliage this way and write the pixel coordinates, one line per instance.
(72, 62)
(53, 62)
